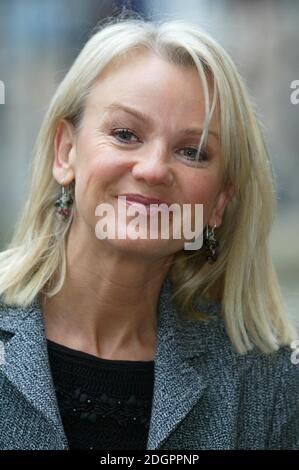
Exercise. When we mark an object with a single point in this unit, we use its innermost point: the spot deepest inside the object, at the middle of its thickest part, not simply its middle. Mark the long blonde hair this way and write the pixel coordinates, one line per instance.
(243, 279)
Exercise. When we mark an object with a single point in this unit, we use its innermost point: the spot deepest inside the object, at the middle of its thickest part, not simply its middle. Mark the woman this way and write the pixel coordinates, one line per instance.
(141, 343)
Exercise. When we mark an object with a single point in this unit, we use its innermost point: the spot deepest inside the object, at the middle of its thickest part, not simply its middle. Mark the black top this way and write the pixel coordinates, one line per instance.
(104, 404)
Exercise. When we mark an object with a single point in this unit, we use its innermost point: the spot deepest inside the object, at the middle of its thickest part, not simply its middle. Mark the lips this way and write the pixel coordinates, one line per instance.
(139, 198)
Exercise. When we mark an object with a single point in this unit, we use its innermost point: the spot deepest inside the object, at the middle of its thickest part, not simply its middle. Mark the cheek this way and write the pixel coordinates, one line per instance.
(98, 166)
(96, 183)
(201, 189)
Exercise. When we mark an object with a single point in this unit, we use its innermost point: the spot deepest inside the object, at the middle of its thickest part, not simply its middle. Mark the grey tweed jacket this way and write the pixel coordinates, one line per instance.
(206, 396)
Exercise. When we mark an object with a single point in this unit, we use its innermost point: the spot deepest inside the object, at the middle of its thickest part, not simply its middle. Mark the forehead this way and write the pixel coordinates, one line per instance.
(152, 84)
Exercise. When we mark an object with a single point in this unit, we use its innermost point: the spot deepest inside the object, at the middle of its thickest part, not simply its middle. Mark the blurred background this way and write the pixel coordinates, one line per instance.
(39, 40)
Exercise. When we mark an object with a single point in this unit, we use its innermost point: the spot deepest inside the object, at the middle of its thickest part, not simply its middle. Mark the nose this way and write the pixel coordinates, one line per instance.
(153, 169)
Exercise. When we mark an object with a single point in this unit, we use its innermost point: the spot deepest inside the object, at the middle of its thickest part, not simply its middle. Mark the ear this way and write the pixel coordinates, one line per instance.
(65, 152)
(222, 200)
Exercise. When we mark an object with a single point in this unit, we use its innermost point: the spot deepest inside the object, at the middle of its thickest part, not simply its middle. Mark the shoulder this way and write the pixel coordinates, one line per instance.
(278, 374)
(10, 309)
(278, 369)
(284, 360)
(270, 370)
(268, 387)
(12, 315)
(272, 385)
(284, 378)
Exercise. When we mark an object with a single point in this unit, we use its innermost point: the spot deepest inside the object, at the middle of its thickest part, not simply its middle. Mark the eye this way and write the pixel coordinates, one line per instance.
(122, 135)
(191, 156)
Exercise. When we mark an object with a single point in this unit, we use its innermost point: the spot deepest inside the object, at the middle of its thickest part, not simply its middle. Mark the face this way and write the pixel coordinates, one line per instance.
(118, 151)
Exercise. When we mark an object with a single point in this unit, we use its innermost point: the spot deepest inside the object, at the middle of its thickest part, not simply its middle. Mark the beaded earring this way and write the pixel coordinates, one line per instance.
(210, 244)
(63, 203)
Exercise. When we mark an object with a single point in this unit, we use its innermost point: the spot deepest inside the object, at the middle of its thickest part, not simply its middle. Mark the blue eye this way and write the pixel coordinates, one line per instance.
(124, 136)
(203, 156)
(121, 133)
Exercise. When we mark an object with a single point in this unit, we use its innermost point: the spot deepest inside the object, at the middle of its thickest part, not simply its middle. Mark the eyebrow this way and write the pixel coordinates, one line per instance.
(148, 121)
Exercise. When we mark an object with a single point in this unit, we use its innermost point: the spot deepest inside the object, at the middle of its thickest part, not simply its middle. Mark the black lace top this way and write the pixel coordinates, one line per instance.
(104, 404)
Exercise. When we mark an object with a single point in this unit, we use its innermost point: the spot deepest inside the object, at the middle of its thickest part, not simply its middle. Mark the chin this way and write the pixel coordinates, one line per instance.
(144, 248)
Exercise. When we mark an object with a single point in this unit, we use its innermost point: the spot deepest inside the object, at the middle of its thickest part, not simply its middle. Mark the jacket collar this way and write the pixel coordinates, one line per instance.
(177, 387)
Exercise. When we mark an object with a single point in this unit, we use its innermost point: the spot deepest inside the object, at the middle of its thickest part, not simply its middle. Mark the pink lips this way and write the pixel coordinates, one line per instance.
(143, 199)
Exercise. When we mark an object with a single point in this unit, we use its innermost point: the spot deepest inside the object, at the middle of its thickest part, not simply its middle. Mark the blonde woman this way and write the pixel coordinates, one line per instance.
(122, 343)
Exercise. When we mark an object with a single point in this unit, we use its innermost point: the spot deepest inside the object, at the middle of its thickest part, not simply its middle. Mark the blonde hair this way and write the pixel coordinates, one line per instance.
(243, 279)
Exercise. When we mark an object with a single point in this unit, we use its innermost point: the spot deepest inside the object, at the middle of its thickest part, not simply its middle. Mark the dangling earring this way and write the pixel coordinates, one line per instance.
(210, 244)
(63, 203)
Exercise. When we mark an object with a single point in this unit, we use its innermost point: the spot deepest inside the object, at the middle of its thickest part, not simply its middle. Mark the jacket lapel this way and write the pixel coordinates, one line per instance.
(26, 365)
(178, 386)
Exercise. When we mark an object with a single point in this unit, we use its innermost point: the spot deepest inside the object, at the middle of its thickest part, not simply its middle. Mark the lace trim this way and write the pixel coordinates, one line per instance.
(90, 408)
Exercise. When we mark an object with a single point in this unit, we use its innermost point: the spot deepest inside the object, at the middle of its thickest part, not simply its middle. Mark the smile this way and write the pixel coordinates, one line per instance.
(151, 208)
